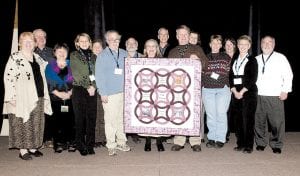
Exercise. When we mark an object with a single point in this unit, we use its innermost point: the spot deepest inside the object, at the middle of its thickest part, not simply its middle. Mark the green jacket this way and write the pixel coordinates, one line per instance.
(80, 69)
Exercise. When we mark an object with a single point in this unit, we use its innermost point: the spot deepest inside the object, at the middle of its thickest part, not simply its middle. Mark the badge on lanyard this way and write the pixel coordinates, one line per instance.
(92, 77)
(64, 108)
(118, 71)
(237, 81)
(214, 75)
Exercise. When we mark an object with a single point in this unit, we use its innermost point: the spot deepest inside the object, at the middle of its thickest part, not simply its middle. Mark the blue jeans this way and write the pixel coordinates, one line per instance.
(216, 102)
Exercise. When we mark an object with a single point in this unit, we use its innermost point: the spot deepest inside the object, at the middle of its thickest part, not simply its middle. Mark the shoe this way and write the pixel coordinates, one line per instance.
(196, 148)
(210, 144)
(97, 144)
(176, 147)
(112, 151)
(136, 139)
(48, 144)
(58, 149)
(238, 148)
(159, 144)
(103, 143)
(71, 148)
(202, 140)
(147, 147)
(83, 152)
(91, 151)
(169, 141)
(124, 147)
(247, 150)
(26, 156)
(219, 144)
(36, 153)
(276, 150)
(260, 148)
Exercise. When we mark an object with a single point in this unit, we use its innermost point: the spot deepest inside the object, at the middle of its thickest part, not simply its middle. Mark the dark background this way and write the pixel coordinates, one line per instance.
(63, 20)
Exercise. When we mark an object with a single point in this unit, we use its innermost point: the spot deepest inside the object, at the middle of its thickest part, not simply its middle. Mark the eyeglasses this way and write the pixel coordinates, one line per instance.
(114, 40)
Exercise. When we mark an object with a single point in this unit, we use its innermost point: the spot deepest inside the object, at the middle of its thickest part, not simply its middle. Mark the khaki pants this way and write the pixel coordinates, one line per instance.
(180, 140)
(113, 119)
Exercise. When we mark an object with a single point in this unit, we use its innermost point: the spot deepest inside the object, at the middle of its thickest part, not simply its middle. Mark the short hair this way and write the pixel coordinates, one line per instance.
(110, 32)
(39, 30)
(216, 37)
(245, 37)
(183, 27)
(59, 46)
(162, 28)
(23, 35)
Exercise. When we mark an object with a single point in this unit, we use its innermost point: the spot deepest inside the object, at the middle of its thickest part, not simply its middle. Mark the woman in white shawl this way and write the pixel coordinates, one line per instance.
(26, 98)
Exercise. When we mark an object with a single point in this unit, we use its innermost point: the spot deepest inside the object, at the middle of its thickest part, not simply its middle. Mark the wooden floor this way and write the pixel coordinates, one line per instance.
(210, 162)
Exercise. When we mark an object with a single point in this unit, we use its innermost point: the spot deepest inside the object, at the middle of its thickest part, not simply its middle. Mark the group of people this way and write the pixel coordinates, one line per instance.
(76, 100)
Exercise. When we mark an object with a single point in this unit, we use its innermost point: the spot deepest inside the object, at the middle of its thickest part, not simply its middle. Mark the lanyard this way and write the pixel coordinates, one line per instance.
(238, 68)
(88, 59)
(264, 62)
(116, 59)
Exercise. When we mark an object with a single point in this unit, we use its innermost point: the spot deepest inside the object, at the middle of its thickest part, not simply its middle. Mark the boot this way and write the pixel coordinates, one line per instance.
(159, 144)
(148, 144)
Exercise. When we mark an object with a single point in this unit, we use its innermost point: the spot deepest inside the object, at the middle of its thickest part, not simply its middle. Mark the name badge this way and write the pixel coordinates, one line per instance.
(118, 71)
(64, 108)
(237, 81)
(214, 75)
(92, 77)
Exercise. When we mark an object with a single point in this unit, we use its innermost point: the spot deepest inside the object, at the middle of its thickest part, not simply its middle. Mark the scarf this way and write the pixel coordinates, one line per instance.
(57, 77)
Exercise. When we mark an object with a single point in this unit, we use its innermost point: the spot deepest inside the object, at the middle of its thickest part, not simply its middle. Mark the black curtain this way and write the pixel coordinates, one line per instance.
(7, 12)
(95, 19)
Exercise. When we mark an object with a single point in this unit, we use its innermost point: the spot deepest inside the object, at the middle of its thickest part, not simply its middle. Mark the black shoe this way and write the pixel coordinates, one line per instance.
(58, 149)
(276, 150)
(210, 144)
(247, 150)
(196, 148)
(26, 156)
(159, 144)
(219, 144)
(36, 153)
(147, 147)
(238, 148)
(202, 140)
(97, 144)
(260, 148)
(176, 147)
(83, 152)
(91, 151)
(103, 143)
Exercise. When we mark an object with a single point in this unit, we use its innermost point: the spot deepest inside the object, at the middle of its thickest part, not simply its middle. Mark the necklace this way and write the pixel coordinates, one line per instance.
(182, 50)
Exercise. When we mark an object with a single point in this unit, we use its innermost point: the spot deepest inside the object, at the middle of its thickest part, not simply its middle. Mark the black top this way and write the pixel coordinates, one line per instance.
(250, 75)
(38, 79)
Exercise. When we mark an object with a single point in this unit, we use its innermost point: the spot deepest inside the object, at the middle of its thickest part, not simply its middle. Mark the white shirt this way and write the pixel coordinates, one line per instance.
(277, 76)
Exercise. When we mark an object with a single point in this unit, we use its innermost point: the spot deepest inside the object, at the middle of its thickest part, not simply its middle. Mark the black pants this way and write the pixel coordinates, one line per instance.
(243, 113)
(49, 128)
(85, 110)
(64, 130)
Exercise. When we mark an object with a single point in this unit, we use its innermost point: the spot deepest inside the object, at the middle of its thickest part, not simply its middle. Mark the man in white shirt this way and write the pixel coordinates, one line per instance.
(274, 83)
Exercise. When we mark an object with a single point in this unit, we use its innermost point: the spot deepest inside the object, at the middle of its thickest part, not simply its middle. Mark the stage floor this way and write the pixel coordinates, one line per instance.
(210, 161)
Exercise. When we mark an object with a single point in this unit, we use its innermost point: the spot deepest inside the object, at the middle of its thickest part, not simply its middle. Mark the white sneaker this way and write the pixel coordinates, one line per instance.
(124, 147)
(112, 151)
